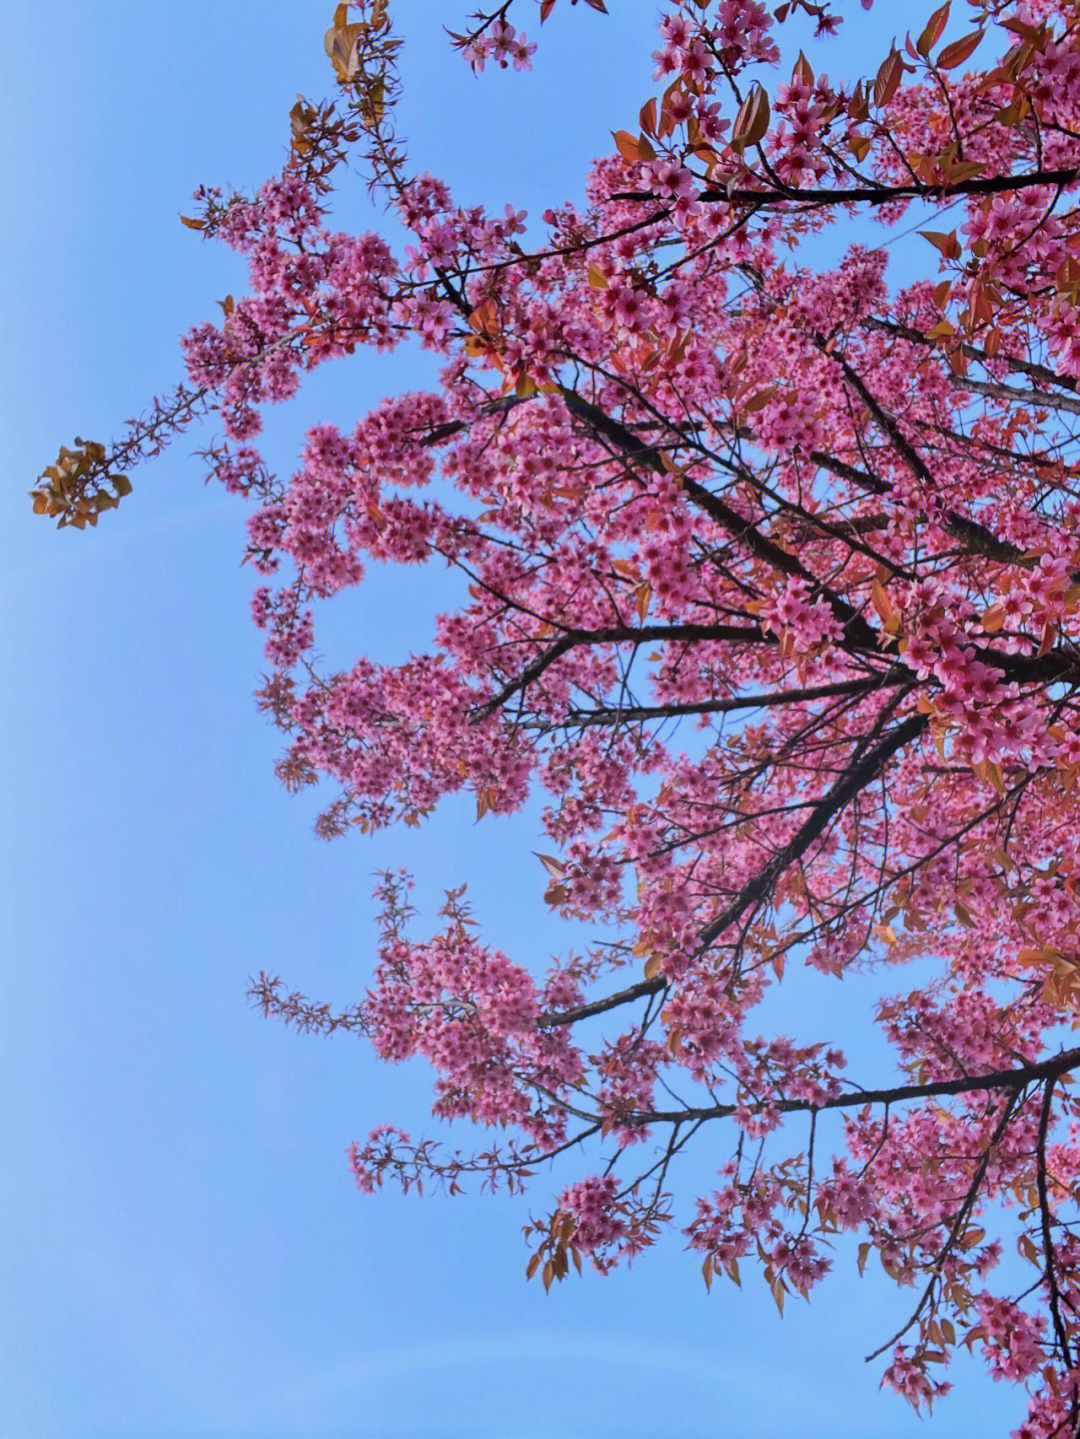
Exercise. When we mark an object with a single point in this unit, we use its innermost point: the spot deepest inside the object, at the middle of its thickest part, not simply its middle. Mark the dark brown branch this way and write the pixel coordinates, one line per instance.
(634, 713)
(620, 634)
(830, 804)
(961, 1218)
(918, 467)
(974, 536)
(440, 433)
(1038, 398)
(1031, 368)
(1044, 1215)
(600, 1006)
(1014, 1079)
(740, 528)
(871, 194)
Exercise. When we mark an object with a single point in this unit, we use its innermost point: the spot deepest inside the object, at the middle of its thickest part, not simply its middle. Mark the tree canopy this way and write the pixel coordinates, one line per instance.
(769, 589)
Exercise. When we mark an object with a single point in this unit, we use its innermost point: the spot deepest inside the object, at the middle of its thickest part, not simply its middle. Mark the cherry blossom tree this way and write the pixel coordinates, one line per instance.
(770, 589)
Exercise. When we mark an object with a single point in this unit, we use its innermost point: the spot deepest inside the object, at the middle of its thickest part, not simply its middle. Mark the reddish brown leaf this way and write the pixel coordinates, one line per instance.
(752, 121)
(948, 244)
(934, 29)
(888, 78)
(956, 53)
(631, 149)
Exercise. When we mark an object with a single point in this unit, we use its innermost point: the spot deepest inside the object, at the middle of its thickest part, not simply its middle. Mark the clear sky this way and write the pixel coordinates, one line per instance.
(183, 1251)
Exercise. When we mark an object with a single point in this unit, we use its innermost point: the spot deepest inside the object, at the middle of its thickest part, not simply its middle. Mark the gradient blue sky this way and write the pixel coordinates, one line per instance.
(184, 1253)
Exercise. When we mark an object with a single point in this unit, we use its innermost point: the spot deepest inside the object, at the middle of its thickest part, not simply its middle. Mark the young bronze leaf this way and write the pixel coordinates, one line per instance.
(752, 121)
(627, 146)
(933, 31)
(956, 53)
(888, 78)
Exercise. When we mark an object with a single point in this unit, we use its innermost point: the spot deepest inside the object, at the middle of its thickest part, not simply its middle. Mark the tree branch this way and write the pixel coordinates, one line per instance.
(634, 713)
(870, 194)
(829, 805)
(1018, 1078)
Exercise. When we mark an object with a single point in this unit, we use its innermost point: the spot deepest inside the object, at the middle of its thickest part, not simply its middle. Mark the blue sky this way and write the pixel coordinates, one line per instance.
(184, 1252)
